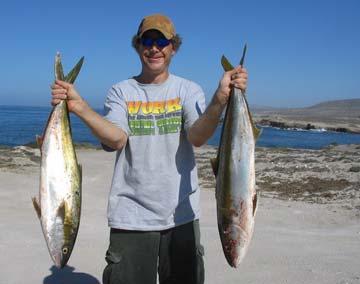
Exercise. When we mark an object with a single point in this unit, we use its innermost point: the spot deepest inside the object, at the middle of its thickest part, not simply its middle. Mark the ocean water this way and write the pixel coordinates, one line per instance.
(298, 139)
(20, 124)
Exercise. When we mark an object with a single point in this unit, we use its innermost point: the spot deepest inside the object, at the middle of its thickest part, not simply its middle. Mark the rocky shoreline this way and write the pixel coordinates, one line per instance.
(328, 175)
(285, 123)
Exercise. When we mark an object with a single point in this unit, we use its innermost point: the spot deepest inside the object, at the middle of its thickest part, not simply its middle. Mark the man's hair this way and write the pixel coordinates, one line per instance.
(176, 41)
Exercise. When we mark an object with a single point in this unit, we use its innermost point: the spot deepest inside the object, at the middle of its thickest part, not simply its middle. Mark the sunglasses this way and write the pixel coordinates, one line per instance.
(160, 42)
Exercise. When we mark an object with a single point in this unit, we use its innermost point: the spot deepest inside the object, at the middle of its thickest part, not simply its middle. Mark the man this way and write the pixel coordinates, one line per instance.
(153, 120)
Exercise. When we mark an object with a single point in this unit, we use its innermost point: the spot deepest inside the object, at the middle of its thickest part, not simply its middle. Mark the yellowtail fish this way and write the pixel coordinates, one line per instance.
(59, 204)
(234, 168)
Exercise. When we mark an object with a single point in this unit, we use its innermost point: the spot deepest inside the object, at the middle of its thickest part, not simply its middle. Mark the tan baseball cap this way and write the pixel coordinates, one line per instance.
(157, 22)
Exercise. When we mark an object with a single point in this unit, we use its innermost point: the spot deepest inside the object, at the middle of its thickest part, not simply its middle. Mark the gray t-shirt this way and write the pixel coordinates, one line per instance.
(155, 183)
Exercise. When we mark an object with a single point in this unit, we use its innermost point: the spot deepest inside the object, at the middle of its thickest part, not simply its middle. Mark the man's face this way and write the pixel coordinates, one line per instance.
(155, 57)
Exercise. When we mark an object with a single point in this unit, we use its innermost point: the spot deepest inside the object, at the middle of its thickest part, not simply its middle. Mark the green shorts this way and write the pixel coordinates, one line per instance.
(135, 257)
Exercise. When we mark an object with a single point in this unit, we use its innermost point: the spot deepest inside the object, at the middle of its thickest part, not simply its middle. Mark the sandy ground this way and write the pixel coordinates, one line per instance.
(307, 226)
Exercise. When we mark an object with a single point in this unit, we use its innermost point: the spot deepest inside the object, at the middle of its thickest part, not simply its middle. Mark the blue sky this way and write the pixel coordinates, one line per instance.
(299, 52)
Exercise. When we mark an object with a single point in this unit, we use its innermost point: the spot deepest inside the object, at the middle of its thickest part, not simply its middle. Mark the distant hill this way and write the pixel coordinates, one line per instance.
(341, 115)
(341, 108)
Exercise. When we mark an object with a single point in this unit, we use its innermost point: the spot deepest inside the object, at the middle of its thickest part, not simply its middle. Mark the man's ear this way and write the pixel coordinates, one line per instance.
(137, 48)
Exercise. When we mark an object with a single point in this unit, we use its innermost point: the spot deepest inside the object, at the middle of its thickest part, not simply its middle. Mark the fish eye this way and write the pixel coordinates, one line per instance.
(65, 250)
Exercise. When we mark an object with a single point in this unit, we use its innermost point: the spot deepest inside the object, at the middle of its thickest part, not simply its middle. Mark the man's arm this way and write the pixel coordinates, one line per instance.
(107, 132)
(205, 126)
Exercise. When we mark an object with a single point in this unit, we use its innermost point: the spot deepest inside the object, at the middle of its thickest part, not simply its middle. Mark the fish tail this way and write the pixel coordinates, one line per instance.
(36, 206)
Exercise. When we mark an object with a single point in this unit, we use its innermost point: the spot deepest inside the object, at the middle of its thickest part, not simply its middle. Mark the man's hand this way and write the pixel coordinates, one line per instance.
(206, 125)
(62, 90)
(236, 78)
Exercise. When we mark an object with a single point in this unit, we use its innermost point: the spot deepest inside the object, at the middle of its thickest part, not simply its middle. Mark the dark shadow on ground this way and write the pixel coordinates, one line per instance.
(67, 275)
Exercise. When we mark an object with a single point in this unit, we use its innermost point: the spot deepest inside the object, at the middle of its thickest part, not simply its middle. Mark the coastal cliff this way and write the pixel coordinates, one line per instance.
(341, 116)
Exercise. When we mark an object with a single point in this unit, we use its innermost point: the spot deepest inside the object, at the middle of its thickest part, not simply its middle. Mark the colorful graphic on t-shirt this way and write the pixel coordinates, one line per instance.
(146, 117)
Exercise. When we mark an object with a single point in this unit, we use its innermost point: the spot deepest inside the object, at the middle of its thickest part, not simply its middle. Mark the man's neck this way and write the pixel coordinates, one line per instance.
(144, 78)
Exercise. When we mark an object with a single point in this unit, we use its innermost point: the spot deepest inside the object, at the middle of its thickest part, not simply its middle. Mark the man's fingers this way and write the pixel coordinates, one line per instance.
(234, 71)
(239, 78)
(59, 86)
(60, 96)
(54, 102)
(63, 84)
(58, 93)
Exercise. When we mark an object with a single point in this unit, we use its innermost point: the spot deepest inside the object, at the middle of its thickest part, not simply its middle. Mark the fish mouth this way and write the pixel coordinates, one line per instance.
(60, 259)
(235, 260)
(235, 241)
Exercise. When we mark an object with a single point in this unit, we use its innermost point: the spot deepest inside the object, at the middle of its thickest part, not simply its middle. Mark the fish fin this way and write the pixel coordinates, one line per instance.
(39, 140)
(36, 206)
(243, 56)
(255, 203)
(214, 164)
(71, 76)
(80, 171)
(59, 73)
(257, 132)
(226, 64)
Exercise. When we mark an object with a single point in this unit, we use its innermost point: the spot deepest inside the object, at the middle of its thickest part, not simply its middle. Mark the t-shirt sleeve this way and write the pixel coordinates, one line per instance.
(115, 109)
(193, 105)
